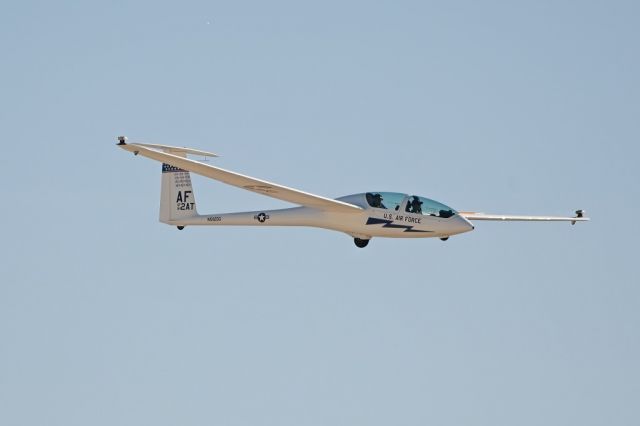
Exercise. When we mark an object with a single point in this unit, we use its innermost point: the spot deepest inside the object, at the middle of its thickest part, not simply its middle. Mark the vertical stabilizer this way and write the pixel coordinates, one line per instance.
(177, 200)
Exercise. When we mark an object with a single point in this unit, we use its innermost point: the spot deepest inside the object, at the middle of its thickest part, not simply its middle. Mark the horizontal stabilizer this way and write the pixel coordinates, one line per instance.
(177, 150)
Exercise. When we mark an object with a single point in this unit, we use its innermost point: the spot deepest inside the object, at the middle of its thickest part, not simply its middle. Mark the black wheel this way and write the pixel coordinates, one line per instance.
(180, 227)
(444, 238)
(360, 243)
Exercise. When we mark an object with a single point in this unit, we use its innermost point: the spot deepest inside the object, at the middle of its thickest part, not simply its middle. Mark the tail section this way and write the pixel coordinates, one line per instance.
(177, 200)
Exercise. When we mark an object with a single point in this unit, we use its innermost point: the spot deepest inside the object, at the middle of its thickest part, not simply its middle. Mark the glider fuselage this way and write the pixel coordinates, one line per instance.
(395, 220)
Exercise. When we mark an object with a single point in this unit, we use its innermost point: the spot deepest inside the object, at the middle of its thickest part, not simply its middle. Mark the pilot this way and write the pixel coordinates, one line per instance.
(415, 206)
(369, 197)
(376, 201)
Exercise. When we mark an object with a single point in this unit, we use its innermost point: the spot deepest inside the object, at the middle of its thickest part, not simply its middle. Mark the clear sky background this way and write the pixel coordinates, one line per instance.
(108, 317)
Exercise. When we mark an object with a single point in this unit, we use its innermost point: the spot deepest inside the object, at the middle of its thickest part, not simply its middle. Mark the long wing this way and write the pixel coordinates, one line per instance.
(483, 216)
(236, 179)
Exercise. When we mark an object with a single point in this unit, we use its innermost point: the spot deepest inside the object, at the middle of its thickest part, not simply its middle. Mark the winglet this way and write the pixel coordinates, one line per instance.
(579, 215)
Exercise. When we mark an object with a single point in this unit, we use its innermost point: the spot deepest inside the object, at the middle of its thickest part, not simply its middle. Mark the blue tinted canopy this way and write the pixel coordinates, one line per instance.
(385, 200)
(428, 207)
(412, 204)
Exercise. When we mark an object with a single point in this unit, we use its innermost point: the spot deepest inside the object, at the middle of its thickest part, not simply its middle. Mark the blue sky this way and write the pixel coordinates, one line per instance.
(109, 317)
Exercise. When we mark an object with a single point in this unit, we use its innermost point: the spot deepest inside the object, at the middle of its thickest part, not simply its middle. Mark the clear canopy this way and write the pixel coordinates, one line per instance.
(412, 204)
(428, 207)
(385, 200)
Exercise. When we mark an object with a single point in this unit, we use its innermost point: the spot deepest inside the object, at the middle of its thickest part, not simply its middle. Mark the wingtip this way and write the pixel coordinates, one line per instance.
(580, 217)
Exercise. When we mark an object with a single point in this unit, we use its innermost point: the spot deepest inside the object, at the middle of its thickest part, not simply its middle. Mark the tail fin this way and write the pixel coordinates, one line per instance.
(177, 200)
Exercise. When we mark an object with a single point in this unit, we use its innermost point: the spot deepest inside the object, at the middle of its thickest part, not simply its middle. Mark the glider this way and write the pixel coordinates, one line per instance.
(362, 216)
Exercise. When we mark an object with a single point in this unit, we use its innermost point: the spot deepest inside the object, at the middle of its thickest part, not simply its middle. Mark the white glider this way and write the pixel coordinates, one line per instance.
(362, 216)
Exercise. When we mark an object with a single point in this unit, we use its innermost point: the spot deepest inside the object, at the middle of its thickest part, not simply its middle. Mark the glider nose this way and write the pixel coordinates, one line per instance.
(462, 225)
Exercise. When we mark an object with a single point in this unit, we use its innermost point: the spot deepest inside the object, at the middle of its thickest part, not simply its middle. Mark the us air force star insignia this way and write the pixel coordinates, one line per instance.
(262, 217)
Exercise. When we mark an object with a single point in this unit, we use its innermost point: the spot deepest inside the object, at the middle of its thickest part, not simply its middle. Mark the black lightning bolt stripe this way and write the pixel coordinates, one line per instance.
(389, 224)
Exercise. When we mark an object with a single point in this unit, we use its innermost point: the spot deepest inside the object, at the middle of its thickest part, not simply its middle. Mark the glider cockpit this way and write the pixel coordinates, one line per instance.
(400, 202)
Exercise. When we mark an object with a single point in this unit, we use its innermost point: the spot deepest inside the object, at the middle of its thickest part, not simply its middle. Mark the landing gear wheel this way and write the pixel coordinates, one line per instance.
(180, 227)
(360, 243)
(444, 238)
